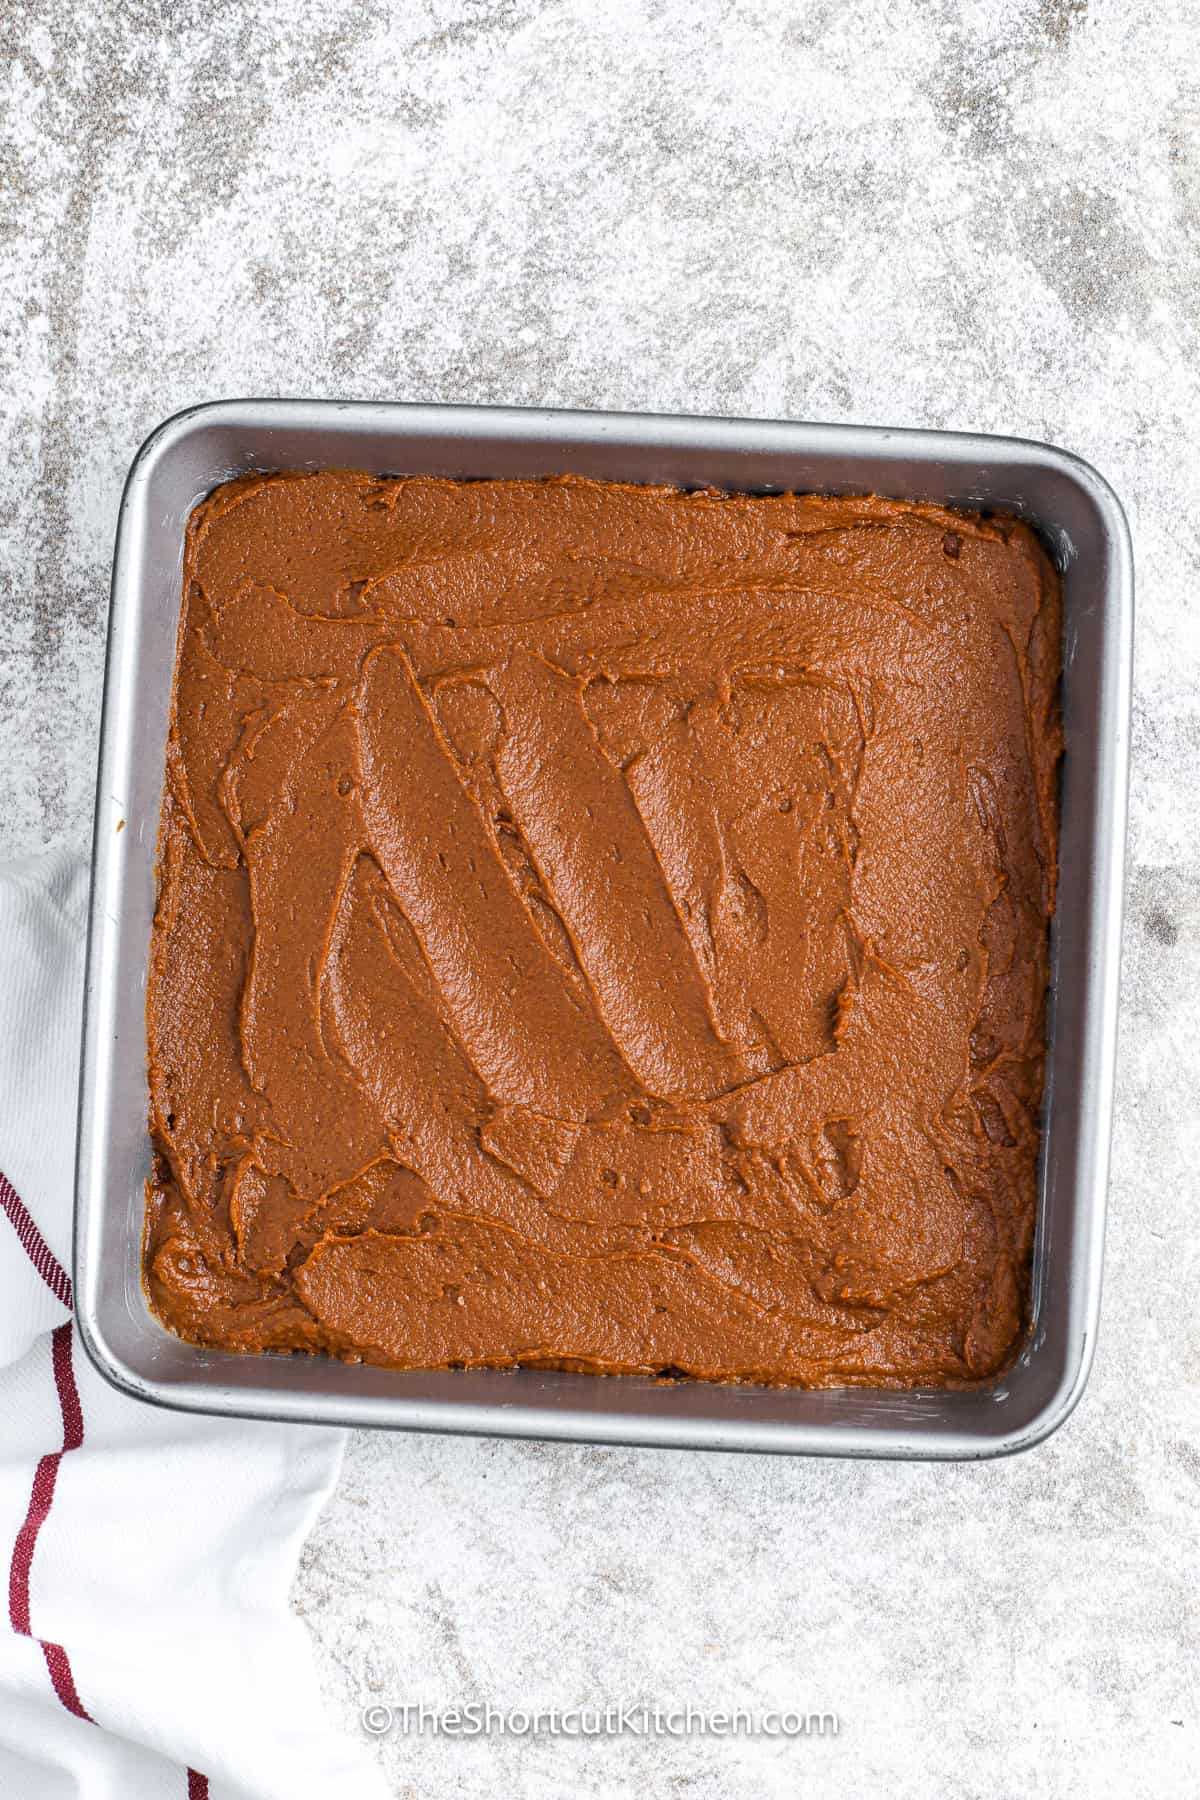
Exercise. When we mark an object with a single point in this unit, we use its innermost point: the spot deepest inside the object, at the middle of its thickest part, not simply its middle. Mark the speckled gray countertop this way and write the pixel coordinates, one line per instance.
(917, 212)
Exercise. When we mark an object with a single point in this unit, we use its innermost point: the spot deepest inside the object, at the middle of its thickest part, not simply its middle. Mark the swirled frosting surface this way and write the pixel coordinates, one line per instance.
(603, 927)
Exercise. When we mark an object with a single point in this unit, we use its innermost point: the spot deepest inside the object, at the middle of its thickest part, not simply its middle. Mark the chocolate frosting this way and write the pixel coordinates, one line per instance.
(603, 927)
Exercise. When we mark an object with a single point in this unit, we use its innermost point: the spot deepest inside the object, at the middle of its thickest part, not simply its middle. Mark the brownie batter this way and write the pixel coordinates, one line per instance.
(603, 927)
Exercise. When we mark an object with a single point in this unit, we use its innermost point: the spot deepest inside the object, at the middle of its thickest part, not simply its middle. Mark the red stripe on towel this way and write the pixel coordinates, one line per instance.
(34, 1244)
(63, 1682)
(45, 1476)
(45, 1479)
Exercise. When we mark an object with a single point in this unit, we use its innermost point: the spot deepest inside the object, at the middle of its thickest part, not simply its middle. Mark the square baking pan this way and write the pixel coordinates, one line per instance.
(1081, 522)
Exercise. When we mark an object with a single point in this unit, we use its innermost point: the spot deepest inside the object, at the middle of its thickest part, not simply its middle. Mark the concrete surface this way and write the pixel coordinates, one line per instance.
(907, 211)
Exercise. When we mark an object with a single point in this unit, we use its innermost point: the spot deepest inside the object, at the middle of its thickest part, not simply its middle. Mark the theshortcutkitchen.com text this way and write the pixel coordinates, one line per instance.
(637, 1719)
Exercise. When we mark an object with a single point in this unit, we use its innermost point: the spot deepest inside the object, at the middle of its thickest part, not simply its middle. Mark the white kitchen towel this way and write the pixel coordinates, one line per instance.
(152, 1654)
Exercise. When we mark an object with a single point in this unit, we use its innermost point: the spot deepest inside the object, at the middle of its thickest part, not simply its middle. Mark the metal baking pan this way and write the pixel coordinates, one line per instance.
(1080, 520)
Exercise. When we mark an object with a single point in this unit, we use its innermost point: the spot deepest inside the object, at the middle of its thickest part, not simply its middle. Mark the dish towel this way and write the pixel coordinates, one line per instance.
(152, 1654)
